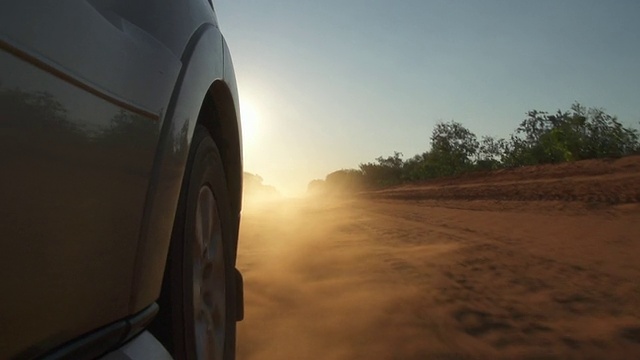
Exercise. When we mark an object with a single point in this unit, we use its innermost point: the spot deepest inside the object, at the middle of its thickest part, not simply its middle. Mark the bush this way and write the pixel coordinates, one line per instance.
(541, 138)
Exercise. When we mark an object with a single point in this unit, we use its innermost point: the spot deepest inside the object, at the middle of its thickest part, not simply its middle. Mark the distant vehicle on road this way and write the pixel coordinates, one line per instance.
(121, 181)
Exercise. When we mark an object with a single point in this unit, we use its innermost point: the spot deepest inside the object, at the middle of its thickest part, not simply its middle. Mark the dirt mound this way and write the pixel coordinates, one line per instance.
(608, 181)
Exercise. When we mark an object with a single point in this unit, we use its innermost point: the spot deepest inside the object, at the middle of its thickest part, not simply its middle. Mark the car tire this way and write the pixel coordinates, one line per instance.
(197, 317)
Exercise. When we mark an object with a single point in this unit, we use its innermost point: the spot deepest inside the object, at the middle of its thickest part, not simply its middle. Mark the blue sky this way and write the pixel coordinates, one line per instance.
(327, 85)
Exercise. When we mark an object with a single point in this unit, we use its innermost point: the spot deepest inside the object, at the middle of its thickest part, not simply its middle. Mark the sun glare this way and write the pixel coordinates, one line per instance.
(250, 121)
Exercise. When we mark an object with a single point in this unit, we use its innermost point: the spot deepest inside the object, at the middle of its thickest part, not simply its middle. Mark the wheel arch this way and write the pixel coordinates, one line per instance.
(205, 93)
(219, 115)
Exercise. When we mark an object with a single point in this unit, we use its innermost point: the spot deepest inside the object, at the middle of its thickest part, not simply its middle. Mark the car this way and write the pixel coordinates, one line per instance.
(121, 181)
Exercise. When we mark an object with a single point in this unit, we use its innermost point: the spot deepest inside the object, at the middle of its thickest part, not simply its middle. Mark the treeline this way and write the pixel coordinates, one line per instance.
(541, 138)
(254, 188)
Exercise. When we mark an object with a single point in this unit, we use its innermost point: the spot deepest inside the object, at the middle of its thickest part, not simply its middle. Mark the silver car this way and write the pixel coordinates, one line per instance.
(120, 183)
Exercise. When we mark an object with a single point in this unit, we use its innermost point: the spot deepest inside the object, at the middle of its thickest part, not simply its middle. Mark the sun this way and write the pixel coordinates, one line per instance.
(250, 121)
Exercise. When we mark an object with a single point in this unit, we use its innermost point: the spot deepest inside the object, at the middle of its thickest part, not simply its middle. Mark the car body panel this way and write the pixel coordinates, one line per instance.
(142, 347)
(195, 80)
(116, 57)
(98, 103)
(235, 179)
(75, 173)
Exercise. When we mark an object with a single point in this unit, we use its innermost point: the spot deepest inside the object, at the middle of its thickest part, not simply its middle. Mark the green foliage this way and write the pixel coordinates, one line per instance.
(346, 179)
(577, 134)
(416, 168)
(541, 138)
(384, 172)
(490, 153)
(452, 149)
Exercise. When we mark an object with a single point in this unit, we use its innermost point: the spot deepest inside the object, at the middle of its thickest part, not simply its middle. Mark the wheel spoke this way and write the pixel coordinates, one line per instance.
(203, 338)
(209, 299)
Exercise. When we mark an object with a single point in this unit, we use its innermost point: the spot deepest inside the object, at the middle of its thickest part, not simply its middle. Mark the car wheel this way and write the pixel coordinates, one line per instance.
(197, 304)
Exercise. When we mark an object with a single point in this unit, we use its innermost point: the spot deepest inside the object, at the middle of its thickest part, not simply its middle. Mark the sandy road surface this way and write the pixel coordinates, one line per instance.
(540, 262)
(389, 279)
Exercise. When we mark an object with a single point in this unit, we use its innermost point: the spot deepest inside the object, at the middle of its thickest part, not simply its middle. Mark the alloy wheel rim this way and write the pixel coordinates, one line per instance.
(208, 279)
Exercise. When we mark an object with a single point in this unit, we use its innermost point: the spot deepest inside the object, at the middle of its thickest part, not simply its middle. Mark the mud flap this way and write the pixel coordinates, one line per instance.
(239, 296)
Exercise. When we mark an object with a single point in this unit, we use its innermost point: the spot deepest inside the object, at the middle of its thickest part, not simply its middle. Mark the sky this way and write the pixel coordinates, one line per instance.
(328, 84)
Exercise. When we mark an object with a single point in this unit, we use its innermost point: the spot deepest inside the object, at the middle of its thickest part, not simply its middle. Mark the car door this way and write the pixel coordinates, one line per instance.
(83, 92)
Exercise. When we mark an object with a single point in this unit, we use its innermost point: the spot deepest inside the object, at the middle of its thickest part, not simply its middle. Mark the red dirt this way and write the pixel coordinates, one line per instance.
(611, 181)
(533, 263)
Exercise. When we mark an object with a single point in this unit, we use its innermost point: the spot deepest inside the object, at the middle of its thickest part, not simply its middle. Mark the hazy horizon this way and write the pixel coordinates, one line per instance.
(328, 85)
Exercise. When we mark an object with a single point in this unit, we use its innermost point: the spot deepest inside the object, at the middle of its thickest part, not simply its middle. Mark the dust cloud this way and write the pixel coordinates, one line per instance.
(391, 277)
(315, 288)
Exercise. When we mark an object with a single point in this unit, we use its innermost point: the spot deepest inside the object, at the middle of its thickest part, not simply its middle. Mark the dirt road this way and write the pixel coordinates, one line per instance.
(369, 278)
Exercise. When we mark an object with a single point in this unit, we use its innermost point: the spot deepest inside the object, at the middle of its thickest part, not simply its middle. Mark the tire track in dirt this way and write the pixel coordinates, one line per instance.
(368, 279)
(484, 312)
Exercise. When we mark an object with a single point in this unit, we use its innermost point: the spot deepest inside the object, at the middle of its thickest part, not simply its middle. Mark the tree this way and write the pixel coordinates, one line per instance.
(490, 153)
(577, 134)
(316, 186)
(607, 137)
(384, 172)
(416, 168)
(254, 188)
(541, 138)
(344, 180)
(452, 148)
